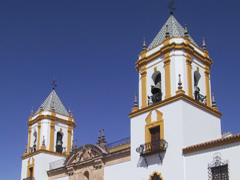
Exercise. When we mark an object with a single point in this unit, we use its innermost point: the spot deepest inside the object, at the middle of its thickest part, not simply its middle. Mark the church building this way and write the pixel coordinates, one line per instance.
(175, 128)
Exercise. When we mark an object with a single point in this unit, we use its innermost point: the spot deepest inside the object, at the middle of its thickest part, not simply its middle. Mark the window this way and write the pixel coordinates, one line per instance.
(155, 138)
(218, 168)
(59, 142)
(86, 175)
(30, 172)
(156, 89)
(220, 172)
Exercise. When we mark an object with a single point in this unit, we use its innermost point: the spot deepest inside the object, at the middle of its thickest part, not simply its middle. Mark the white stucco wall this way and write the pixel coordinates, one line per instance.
(41, 165)
(196, 164)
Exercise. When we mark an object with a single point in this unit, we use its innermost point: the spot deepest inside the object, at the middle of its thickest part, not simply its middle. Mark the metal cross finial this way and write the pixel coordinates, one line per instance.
(53, 84)
(170, 6)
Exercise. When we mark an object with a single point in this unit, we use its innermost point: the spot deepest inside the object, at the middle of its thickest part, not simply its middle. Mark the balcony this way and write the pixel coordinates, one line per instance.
(29, 178)
(152, 147)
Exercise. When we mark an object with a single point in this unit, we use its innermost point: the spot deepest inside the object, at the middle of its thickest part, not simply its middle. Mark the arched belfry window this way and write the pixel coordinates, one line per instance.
(34, 147)
(156, 89)
(59, 143)
(86, 176)
(197, 94)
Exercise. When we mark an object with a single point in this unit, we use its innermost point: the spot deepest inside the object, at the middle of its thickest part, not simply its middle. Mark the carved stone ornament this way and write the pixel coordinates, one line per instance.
(97, 164)
(83, 153)
(70, 171)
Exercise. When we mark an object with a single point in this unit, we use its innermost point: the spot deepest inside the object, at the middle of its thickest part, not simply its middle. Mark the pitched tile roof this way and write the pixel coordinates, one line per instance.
(174, 29)
(212, 144)
(53, 100)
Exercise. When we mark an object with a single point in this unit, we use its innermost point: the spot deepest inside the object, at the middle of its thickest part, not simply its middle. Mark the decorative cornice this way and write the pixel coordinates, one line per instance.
(42, 151)
(168, 47)
(175, 98)
(212, 144)
(53, 118)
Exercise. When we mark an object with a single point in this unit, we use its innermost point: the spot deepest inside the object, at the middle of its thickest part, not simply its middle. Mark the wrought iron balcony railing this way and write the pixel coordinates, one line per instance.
(155, 98)
(199, 97)
(29, 178)
(152, 147)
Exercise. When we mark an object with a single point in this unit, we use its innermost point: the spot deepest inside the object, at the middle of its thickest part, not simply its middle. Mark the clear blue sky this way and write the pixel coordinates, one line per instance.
(90, 47)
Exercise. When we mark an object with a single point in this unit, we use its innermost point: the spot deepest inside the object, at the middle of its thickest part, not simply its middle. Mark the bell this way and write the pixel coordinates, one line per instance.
(156, 89)
(156, 77)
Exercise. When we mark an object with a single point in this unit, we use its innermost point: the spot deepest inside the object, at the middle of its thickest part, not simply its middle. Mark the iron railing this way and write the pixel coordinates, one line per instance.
(29, 178)
(152, 147)
(56, 164)
(199, 97)
(155, 98)
(119, 142)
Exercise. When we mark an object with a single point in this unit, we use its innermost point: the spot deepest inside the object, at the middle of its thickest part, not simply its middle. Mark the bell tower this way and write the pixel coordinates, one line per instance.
(50, 137)
(174, 108)
(172, 53)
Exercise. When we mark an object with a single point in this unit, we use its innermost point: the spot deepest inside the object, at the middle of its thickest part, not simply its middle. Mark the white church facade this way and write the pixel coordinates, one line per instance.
(175, 128)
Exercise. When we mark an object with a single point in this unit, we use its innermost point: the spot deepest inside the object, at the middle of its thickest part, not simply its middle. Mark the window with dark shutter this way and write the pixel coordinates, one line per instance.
(220, 172)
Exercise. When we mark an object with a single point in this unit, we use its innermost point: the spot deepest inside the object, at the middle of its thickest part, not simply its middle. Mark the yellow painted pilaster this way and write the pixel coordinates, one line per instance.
(144, 86)
(69, 139)
(207, 84)
(52, 126)
(189, 74)
(29, 137)
(167, 75)
(39, 135)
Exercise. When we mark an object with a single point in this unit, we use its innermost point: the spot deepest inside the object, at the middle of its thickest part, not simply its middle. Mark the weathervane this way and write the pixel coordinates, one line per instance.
(170, 6)
(53, 84)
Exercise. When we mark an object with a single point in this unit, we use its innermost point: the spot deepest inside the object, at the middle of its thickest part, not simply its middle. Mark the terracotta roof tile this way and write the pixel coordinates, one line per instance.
(212, 144)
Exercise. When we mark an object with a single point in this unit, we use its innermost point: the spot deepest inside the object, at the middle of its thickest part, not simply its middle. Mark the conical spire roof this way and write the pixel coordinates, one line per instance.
(174, 29)
(53, 102)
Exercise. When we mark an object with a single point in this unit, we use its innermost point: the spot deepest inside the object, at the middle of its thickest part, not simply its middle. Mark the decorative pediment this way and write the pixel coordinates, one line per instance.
(85, 153)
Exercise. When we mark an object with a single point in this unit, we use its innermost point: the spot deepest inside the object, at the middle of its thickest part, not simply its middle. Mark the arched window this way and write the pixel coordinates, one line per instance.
(34, 147)
(197, 77)
(59, 142)
(156, 89)
(86, 176)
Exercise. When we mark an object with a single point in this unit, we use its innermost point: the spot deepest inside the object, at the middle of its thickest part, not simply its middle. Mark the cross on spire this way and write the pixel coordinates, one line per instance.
(170, 6)
(53, 84)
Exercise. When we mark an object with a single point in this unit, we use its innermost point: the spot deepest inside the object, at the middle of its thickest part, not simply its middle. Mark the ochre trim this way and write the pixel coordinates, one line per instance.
(207, 72)
(155, 172)
(212, 144)
(43, 151)
(29, 137)
(51, 142)
(144, 86)
(30, 165)
(167, 75)
(175, 98)
(174, 46)
(119, 147)
(39, 134)
(189, 74)
(151, 124)
(69, 139)
(53, 118)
